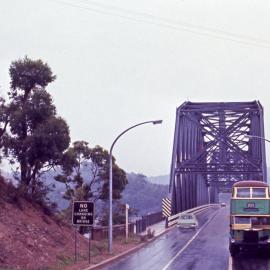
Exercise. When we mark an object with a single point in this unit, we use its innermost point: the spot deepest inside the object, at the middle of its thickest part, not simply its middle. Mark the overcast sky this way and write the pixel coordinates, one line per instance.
(122, 62)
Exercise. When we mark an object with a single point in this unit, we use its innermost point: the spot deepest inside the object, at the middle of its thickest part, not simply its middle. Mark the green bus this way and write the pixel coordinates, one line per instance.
(249, 217)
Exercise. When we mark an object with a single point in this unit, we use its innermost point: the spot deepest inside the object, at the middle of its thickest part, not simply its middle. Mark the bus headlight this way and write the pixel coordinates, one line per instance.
(268, 240)
(232, 240)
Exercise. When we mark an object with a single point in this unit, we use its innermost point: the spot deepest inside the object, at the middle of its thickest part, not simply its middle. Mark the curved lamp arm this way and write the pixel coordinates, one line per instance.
(258, 137)
(155, 122)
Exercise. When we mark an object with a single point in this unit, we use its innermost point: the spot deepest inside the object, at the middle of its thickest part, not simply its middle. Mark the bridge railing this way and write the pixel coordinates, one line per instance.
(147, 220)
(101, 232)
(172, 220)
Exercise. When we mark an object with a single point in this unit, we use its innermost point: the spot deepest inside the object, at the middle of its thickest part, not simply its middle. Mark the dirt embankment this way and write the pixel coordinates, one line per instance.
(31, 239)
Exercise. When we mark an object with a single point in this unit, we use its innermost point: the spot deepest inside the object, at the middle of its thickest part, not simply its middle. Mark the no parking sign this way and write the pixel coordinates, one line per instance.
(83, 213)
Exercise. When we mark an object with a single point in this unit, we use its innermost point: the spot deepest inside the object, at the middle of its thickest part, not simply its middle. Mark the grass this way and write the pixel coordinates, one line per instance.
(63, 261)
(132, 238)
(97, 248)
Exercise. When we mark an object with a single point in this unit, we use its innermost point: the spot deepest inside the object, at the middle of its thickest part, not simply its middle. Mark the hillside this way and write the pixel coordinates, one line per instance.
(142, 195)
(161, 179)
(31, 238)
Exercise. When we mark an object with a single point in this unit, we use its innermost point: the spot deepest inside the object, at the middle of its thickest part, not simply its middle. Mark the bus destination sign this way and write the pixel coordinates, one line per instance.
(251, 207)
(83, 213)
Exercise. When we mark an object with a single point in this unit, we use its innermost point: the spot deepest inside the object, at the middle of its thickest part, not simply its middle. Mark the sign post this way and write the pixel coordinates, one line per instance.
(89, 247)
(127, 207)
(82, 215)
(75, 247)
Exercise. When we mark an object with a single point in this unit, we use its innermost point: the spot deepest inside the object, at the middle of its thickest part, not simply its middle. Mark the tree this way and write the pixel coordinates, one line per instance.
(36, 136)
(85, 172)
(4, 119)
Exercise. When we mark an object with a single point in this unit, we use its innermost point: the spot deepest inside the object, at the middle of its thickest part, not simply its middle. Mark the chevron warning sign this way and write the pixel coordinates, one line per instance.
(166, 207)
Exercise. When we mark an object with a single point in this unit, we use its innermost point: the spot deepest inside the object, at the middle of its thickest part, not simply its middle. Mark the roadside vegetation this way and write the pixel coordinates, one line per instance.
(36, 140)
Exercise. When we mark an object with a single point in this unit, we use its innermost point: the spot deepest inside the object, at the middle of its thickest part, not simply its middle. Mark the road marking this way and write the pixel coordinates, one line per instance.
(230, 263)
(189, 242)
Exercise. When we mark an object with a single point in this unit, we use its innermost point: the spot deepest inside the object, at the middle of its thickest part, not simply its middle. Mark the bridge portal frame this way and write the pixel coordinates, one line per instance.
(211, 150)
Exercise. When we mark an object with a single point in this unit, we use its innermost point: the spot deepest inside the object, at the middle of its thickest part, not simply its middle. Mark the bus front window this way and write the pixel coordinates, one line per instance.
(243, 193)
(242, 220)
(258, 193)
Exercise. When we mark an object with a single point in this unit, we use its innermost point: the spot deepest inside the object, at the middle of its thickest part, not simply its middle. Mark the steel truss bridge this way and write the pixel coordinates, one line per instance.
(215, 145)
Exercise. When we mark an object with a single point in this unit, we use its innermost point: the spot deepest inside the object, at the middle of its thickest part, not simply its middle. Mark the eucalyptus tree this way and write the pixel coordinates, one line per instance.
(36, 136)
(85, 172)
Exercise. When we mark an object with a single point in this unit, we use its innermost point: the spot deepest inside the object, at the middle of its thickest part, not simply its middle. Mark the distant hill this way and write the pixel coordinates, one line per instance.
(161, 179)
(143, 195)
(140, 194)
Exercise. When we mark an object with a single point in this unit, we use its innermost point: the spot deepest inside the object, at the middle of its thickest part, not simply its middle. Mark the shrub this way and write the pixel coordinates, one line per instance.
(150, 233)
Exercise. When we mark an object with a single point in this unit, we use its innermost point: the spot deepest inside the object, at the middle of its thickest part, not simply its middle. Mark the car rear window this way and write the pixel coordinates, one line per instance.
(186, 217)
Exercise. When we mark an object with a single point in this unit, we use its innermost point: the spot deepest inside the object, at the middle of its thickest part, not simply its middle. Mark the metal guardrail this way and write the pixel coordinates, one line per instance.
(172, 220)
(148, 220)
(140, 225)
(101, 232)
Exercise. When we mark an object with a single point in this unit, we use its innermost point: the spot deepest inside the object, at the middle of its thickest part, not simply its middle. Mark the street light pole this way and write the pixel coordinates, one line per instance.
(155, 122)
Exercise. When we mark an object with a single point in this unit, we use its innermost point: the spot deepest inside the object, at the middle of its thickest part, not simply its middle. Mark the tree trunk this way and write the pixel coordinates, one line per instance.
(24, 179)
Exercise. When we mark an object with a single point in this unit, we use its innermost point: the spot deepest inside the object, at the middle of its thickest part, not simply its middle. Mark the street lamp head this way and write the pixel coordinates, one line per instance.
(156, 122)
(256, 137)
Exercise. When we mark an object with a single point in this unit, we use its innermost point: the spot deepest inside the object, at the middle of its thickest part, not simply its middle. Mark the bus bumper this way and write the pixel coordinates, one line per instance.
(237, 246)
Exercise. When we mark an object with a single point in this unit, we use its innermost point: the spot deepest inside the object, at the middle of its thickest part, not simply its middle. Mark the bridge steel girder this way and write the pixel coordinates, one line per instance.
(211, 150)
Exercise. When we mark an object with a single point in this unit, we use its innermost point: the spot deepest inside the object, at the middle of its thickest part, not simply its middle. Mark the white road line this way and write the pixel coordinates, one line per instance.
(188, 243)
(230, 263)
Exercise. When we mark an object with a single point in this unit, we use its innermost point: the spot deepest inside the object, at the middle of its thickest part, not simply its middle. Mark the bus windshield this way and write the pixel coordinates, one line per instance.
(260, 221)
(242, 220)
(243, 193)
(258, 192)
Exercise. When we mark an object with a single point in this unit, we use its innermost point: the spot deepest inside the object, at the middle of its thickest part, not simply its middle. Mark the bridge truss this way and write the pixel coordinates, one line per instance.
(213, 148)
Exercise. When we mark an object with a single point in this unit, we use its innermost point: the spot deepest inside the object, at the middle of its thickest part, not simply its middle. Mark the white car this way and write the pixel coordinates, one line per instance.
(186, 221)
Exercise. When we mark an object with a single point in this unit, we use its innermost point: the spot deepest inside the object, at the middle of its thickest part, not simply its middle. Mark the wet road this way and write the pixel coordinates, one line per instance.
(251, 261)
(203, 249)
(157, 254)
(209, 250)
